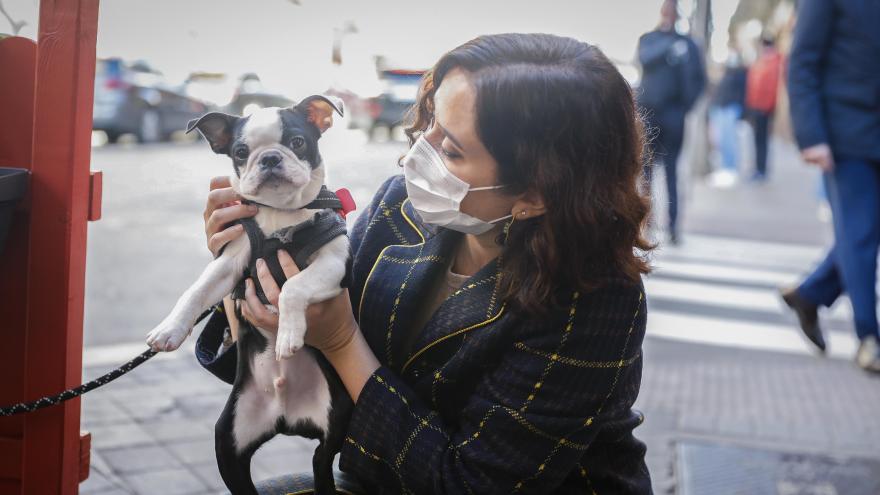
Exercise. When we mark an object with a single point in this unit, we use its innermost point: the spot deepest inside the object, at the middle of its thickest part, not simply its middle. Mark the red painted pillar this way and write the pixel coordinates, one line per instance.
(47, 258)
(18, 58)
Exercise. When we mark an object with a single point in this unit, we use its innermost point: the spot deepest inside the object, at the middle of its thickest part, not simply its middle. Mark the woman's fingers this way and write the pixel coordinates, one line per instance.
(254, 310)
(219, 218)
(220, 181)
(220, 239)
(267, 282)
(287, 263)
(217, 198)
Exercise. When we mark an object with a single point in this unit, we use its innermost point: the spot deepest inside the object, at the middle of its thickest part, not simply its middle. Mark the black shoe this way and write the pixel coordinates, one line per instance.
(808, 316)
(674, 239)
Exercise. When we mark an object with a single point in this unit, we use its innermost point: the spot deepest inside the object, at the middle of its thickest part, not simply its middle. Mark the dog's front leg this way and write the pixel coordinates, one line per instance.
(217, 280)
(319, 282)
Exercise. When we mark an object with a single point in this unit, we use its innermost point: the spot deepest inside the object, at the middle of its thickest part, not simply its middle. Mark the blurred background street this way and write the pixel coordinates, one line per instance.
(736, 400)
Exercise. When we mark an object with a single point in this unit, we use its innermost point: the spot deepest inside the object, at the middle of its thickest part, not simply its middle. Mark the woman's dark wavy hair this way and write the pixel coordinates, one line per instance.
(561, 121)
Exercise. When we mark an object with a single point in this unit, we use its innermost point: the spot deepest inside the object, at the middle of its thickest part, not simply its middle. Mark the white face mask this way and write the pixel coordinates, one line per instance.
(436, 193)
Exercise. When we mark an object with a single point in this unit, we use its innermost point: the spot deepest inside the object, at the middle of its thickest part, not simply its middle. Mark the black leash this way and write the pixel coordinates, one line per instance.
(23, 407)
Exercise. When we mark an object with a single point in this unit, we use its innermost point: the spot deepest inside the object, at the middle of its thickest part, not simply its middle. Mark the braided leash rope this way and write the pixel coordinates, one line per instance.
(23, 407)
(68, 394)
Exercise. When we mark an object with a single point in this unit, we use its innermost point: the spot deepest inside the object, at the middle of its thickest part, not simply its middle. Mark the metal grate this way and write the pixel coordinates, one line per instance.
(714, 469)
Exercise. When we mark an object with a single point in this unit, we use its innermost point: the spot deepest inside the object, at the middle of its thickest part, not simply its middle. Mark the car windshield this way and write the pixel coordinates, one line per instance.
(402, 86)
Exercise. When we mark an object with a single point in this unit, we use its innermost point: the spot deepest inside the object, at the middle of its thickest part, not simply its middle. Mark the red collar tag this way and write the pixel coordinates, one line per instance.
(347, 202)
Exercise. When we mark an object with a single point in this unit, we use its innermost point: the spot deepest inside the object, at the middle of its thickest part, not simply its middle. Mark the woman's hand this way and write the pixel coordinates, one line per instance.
(224, 206)
(330, 323)
(331, 326)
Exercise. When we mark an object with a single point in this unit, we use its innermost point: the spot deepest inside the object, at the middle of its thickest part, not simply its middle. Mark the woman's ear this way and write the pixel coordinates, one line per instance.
(529, 205)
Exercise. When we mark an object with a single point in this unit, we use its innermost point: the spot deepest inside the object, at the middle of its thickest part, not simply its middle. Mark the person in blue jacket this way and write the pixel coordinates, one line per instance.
(673, 78)
(834, 87)
(491, 333)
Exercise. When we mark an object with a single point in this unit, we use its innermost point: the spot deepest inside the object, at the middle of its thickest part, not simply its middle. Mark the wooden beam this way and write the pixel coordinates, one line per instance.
(18, 58)
(59, 213)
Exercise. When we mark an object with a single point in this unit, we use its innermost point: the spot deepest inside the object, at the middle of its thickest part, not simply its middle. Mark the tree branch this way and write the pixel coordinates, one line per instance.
(16, 26)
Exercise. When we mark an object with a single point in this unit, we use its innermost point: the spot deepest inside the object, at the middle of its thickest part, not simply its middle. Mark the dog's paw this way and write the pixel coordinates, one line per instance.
(290, 337)
(167, 336)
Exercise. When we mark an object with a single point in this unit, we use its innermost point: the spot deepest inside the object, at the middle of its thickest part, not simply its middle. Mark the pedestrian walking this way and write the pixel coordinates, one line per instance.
(762, 85)
(725, 113)
(673, 77)
(834, 84)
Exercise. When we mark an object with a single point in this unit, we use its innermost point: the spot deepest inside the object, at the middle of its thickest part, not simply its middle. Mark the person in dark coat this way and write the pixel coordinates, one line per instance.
(673, 77)
(761, 89)
(834, 85)
(492, 343)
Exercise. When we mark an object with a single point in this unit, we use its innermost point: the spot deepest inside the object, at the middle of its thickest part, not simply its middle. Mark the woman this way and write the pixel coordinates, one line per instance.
(491, 333)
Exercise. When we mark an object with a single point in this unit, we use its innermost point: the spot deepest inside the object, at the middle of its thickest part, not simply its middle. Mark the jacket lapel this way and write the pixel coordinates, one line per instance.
(400, 283)
(475, 305)
(397, 287)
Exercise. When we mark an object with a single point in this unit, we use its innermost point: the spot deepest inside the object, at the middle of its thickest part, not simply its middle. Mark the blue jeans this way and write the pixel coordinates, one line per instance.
(851, 265)
(724, 120)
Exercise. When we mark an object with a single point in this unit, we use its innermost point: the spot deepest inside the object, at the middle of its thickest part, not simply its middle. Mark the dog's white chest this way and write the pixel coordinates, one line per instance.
(270, 219)
(294, 389)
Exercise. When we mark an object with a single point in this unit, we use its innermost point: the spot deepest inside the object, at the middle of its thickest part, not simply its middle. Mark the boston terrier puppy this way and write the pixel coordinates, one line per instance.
(280, 386)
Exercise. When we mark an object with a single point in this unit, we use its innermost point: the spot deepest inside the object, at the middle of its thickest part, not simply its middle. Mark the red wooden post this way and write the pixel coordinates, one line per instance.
(18, 57)
(46, 256)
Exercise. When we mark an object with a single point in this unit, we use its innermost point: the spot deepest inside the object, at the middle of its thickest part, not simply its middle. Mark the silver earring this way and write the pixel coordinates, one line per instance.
(522, 213)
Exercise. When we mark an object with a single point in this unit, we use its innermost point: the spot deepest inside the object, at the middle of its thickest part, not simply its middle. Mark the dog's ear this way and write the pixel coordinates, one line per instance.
(217, 128)
(319, 109)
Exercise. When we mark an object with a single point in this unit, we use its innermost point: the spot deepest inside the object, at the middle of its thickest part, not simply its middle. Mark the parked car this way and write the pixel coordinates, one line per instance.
(401, 87)
(134, 98)
(357, 109)
(213, 88)
(251, 95)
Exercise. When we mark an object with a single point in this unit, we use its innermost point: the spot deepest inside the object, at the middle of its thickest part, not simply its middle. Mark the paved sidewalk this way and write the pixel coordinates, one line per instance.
(726, 366)
(153, 432)
(765, 400)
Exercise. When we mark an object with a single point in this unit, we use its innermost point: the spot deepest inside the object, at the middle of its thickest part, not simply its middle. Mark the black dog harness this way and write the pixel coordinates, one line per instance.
(300, 241)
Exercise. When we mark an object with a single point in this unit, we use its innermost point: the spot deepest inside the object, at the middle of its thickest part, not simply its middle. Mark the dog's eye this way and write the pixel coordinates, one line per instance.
(297, 143)
(241, 152)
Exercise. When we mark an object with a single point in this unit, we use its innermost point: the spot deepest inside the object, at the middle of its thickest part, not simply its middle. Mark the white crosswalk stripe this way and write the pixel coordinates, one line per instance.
(721, 291)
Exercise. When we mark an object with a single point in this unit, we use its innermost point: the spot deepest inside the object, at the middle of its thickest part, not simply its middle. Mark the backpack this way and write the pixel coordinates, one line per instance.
(762, 83)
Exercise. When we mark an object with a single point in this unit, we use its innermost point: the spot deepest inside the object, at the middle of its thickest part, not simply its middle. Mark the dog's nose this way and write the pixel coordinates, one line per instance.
(271, 159)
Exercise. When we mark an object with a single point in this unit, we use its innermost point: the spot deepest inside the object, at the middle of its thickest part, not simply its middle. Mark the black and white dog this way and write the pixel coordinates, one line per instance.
(277, 166)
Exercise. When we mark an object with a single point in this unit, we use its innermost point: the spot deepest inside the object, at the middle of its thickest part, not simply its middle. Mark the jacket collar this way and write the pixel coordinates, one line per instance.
(475, 305)
(391, 300)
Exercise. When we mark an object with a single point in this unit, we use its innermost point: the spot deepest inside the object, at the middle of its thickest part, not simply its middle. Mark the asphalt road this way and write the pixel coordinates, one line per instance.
(149, 245)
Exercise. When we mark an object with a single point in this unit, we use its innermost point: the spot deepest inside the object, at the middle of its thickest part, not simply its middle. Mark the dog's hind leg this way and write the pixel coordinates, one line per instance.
(235, 468)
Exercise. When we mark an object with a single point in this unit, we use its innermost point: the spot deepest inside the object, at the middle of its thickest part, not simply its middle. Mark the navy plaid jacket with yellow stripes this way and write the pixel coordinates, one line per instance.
(485, 400)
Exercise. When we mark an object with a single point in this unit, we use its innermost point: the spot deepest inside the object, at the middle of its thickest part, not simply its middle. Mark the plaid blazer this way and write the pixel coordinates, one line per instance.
(485, 400)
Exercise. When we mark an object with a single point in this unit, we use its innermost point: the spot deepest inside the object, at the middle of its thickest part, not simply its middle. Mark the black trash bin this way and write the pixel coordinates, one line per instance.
(13, 186)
